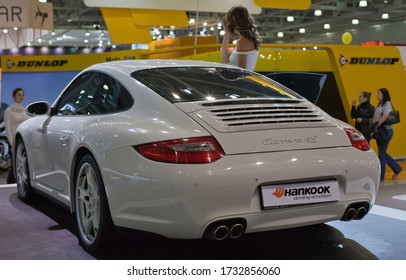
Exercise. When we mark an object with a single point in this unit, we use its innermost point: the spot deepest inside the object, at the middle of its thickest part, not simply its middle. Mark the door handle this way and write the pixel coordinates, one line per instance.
(64, 139)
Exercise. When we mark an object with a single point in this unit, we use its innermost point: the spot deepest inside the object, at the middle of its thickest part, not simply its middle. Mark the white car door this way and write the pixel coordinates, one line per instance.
(51, 144)
(53, 141)
(90, 95)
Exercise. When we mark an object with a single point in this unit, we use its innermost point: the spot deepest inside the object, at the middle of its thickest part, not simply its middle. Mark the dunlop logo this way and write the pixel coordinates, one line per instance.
(37, 63)
(368, 60)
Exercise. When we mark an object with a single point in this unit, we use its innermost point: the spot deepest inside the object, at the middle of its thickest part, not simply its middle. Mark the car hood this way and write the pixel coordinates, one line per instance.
(249, 126)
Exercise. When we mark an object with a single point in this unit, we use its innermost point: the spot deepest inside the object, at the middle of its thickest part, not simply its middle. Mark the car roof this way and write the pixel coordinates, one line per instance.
(129, 66)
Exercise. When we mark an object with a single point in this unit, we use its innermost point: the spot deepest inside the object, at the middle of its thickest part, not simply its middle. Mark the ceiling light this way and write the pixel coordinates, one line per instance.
(5, 30)
(87, 33)
(86, 41)
(302, 30)
(205, 23)
(212, 28)
(280, 34)
(290, 19)
(28, 44)
(15, 28)
(43, 1)
(222, 32)
(192, 21)
(327, 26)
(53, 33)
(114, 46)
(102, 34)
(363, 3)
(355, 21)
(385, 16)
(171, 33)
(317, 13)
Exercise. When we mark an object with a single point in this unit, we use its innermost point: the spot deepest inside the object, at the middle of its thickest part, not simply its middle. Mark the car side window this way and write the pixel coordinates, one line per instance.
(94, 93)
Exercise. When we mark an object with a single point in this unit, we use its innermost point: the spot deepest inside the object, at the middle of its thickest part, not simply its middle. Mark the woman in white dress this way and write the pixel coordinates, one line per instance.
(14, 115)
(238, 22)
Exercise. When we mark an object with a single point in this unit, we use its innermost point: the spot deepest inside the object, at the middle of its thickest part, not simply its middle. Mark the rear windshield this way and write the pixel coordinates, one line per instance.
(189, 84)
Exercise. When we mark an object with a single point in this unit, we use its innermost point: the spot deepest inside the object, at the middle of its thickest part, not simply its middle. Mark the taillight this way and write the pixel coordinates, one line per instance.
(357, 139)
(189, 150)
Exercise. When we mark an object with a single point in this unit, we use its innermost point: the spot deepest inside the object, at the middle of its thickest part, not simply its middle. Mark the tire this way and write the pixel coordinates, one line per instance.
(22, 172)
(92, 215)
(5, 159)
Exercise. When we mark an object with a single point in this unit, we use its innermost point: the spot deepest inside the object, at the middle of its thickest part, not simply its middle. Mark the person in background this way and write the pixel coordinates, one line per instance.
(382, 112)
(14, 115)
(238, 22)
(363, 114)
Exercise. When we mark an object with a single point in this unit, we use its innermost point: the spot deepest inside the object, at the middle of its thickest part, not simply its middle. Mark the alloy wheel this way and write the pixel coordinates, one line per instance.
(87, 203)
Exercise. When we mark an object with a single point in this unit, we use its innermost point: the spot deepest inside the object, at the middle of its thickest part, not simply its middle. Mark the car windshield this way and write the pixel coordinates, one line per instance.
(189, 84)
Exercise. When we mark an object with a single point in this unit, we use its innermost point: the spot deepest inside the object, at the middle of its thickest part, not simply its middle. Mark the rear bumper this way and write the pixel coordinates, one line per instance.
(180, 201)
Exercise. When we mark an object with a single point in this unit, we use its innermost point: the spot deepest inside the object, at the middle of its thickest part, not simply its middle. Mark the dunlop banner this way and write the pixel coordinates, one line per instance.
(52, 63)
(360, 68)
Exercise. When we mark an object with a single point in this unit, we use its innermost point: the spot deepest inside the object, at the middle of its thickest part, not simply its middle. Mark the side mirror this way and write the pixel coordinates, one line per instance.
(38, 108)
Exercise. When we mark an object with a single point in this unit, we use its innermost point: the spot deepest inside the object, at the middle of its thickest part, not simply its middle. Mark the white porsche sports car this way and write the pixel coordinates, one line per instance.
(190, 149)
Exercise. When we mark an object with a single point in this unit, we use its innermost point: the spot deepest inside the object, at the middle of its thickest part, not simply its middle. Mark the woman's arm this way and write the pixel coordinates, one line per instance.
(7, 125)
(353, 112)
(386, 111)
(242, 60)
(225, 55)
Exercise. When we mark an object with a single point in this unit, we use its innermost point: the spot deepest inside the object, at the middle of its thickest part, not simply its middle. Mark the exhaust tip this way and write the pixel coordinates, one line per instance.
(350, 214)
(218, 233)
(237, 231)
(361, 212)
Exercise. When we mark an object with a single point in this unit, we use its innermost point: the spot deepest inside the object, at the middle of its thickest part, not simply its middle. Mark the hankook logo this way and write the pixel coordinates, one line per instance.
(368, 60)
(321, 190)
(309, 140)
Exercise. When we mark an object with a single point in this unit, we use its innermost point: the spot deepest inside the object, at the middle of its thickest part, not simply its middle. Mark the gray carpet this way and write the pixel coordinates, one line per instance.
(26, 233)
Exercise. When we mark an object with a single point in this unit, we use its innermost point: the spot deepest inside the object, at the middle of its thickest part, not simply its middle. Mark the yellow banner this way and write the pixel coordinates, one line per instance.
(52, 63)
(360, 68)
(144, 17)
(283, 4)
(122, 28)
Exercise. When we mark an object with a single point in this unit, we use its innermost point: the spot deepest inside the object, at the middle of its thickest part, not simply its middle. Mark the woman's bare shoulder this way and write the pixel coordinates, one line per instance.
(245, 44)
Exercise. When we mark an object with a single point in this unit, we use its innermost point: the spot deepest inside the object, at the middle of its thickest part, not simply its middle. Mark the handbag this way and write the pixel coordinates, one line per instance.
(393, 118)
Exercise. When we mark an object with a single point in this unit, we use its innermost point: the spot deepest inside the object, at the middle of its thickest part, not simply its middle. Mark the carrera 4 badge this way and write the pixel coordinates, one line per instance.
(273, 141)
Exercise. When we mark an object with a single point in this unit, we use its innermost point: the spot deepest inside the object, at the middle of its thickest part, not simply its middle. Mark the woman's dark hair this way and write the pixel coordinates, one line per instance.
(385, 95)
(17, 90)
(240, 20)
(366, 95)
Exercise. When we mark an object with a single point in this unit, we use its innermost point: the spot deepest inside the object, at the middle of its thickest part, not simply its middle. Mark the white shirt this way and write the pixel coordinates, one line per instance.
(383, 110)
(251, 59)
(13, 117)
